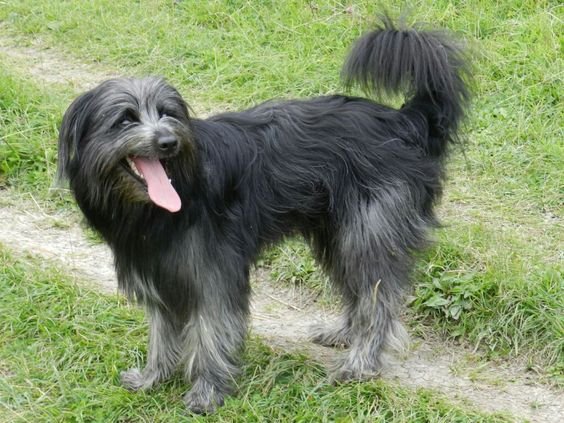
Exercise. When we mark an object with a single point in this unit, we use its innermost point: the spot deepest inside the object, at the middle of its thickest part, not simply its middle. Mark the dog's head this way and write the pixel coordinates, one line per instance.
(121, 137)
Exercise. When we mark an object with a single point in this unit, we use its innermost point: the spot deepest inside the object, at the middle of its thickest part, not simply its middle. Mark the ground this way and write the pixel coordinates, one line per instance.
(280, 315)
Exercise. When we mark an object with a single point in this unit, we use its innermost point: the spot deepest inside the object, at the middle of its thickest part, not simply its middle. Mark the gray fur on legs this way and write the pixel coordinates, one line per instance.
(163, 353)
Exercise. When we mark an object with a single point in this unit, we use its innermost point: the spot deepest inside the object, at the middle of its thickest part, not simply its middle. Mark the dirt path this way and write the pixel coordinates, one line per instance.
(281, 316)
(48, 66)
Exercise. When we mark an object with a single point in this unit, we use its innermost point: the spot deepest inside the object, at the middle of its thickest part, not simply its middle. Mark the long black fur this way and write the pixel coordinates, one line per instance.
(357, 179)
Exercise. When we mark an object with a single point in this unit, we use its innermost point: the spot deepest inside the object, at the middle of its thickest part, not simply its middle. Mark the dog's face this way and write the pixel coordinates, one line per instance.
(121, 136)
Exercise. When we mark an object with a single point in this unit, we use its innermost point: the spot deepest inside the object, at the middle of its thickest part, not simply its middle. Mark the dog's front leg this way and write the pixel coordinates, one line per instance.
(163, 352)
(213, 339)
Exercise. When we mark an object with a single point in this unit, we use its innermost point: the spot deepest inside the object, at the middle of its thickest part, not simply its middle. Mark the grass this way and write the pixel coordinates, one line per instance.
(62, 347)
(495, 277)
(28, 126)
(460, 290)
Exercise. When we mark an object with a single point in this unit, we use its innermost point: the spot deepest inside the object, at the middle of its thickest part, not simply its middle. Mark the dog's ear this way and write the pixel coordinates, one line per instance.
(73, 128)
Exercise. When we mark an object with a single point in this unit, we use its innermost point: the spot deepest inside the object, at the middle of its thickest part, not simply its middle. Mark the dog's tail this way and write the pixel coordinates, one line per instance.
(426, 65)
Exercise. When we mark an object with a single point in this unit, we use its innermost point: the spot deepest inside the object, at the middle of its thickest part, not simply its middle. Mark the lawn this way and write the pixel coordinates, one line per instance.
(493, 279)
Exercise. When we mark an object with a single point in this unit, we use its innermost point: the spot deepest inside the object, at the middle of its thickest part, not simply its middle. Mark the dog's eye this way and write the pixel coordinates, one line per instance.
(127, 119)
(167, 112)
(163, 113)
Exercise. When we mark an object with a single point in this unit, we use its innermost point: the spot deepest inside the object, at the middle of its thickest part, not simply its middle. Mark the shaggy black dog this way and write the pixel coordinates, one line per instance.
(187, 204)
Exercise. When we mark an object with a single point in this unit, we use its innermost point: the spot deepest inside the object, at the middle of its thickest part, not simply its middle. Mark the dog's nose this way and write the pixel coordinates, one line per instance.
(167, 143)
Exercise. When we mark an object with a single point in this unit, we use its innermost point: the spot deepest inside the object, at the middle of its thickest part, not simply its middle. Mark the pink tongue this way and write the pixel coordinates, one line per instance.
(160, 189)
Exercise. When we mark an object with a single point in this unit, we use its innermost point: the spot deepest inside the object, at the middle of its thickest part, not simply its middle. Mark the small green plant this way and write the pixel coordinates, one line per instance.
(448, 283)
(449, 294)
(293, 263)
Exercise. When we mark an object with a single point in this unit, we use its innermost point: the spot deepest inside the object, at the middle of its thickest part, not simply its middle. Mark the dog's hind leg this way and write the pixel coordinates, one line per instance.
(338, 334)
(214, 337)
(163, 352)
(374, 325)
(371, 264)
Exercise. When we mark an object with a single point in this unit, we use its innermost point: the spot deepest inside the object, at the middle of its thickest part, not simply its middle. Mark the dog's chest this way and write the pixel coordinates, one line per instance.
(164, 266)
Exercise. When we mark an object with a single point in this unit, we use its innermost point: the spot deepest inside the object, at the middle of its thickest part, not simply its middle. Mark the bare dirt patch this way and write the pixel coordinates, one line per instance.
(45, 64)
(283, 316)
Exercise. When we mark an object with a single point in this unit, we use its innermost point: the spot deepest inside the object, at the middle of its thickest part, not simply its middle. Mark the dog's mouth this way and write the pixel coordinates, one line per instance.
(152, 174)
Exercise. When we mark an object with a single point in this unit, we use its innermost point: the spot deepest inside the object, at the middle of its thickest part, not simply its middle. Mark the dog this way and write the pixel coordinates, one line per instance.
(187, 204)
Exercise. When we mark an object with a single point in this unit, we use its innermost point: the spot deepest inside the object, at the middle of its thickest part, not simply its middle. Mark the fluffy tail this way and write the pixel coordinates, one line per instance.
(425, 65)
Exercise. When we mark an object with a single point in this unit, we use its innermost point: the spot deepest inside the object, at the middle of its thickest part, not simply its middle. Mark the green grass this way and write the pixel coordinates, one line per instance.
(507, 304)
(226, 52)
(28, 128)
(495, 278)
(62, 348)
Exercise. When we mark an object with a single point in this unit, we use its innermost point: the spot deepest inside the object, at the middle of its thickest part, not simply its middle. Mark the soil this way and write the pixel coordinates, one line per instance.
(281, 316)
(47, 66)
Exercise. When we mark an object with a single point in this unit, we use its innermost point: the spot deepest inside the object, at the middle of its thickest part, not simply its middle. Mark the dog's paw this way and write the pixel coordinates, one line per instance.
(328, 336)
(355, 369)
(203, 398)
(134, 380)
